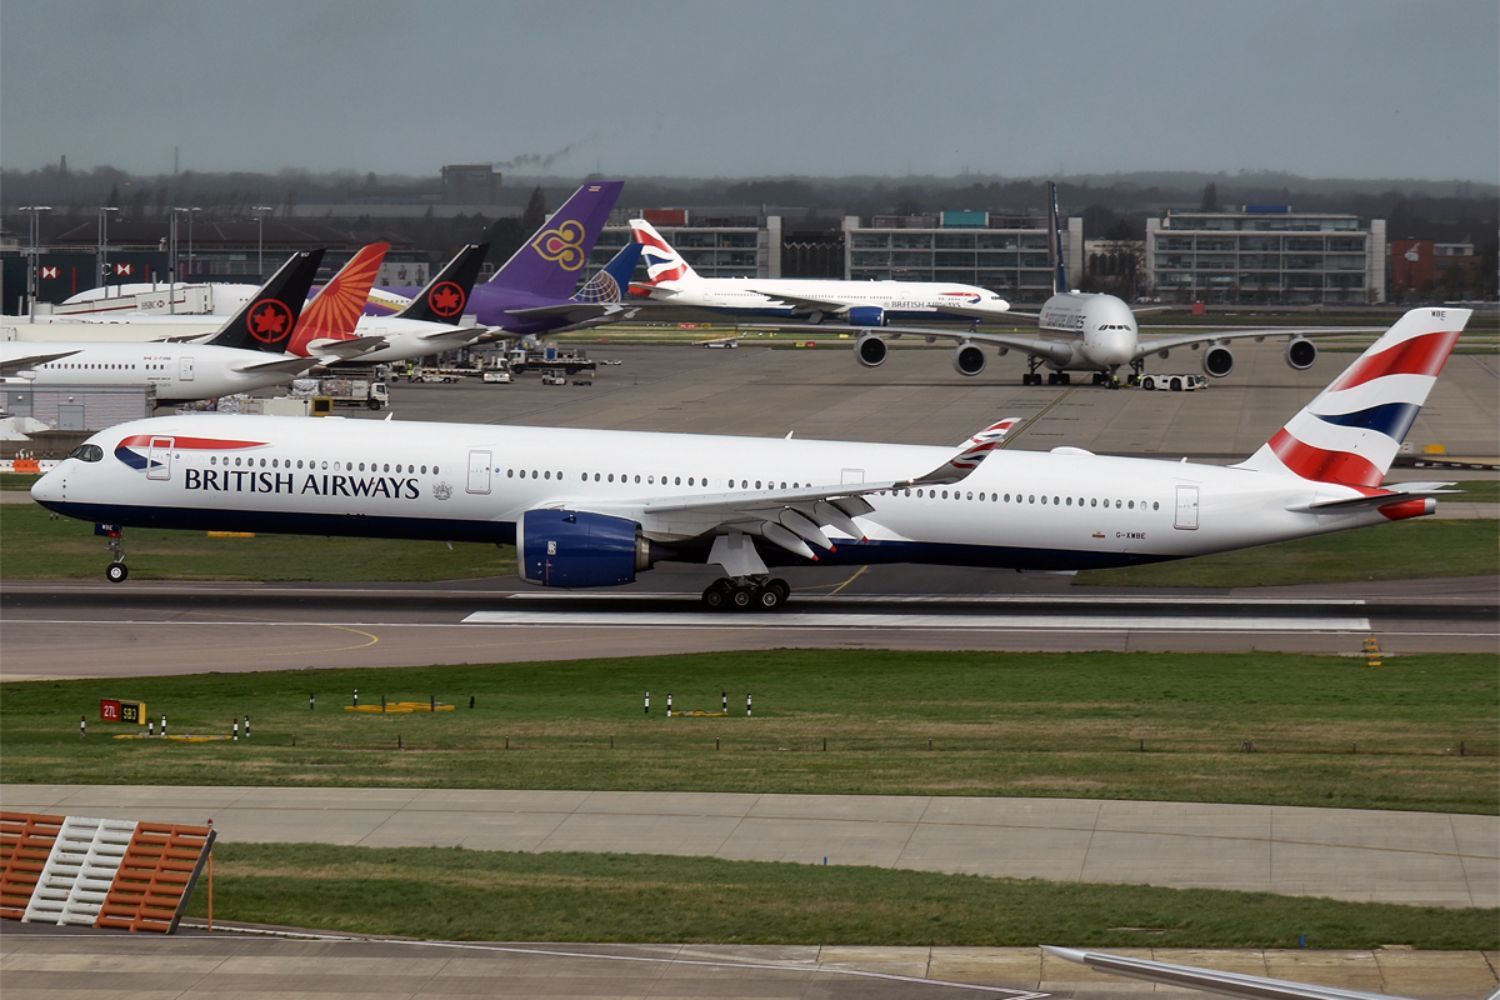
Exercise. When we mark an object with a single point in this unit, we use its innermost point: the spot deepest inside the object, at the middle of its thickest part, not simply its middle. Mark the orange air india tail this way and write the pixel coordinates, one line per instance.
(334, 314)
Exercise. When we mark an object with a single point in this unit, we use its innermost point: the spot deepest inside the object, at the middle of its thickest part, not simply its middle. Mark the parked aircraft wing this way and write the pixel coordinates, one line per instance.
(1053, 350)
(1145, 348)
(1234, 984)
(452, 335)
(577, 312)
(805, 302)
(30, 361)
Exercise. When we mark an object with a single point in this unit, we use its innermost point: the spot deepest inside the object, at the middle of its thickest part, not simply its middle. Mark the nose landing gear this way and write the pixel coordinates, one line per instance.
(117, 571)
(746, 594)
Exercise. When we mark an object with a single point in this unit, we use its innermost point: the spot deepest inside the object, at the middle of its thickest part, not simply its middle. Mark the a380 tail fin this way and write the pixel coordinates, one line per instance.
(1352, 431)
(335, 313)
(1060, 268)
(549, 263)
(445, 296)
(662, 262)
(265, 323)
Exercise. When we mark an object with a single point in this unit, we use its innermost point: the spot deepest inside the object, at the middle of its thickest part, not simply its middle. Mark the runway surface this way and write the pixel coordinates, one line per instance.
(61, 630)
(58, 964)
(1429, 859)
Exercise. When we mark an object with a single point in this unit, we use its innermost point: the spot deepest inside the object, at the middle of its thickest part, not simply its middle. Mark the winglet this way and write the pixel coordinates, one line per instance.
(970, 454)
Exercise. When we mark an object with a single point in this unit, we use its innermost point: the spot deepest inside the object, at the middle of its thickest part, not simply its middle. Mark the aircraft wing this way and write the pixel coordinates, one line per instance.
(1234, 984)
(30, 361)
(1147, 347)
(281, 363)
(1053, 350)
(804, 302)
(794, 518)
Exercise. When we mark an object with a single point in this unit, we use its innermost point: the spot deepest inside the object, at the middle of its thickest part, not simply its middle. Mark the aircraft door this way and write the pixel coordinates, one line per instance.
(185, 369)
(159, 458)
(1187, 509)
(479, 472)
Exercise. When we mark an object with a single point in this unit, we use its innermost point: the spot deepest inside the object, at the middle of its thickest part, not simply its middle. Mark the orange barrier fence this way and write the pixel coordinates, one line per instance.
(26, 840)
(156, 877)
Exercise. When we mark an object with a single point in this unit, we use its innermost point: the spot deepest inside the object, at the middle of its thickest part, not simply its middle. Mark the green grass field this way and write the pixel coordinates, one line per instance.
(37, 546)
(454, 894)
(1327, 731)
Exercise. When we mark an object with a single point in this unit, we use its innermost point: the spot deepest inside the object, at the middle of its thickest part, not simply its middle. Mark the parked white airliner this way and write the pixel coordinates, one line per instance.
(592, 508)
(333, 322)
(1092, 332)
(672, 280)
(246, 353)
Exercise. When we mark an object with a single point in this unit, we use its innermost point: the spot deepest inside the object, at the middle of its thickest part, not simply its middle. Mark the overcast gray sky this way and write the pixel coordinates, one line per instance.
(1345, 88)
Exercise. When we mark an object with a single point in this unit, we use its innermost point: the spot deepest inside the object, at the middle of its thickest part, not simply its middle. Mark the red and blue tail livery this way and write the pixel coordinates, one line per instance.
(148, 453)
(1351, 432)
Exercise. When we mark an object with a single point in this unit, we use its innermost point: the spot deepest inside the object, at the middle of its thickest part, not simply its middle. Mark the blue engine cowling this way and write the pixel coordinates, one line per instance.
(867, 316)
(565, 548)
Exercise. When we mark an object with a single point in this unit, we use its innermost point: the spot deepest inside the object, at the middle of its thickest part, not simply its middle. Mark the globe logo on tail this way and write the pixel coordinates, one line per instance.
(563, 244)
(270, 321)
(446, 299)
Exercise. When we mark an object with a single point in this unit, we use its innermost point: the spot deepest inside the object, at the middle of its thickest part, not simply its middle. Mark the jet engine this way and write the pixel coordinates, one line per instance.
(867, 316)
(968, 359)
(871, 350)
(1301, 353)
(1218, 361)
(566, 548)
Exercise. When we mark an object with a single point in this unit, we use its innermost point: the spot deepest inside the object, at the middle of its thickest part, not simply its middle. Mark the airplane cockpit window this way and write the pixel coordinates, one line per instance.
(87, 453)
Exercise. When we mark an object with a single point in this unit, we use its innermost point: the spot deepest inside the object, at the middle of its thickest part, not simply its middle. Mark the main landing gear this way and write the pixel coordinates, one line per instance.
(746, 594)
(117, 571)
(1034, 377)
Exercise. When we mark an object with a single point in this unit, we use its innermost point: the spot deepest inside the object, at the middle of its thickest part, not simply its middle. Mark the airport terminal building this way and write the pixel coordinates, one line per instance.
(1266, 254)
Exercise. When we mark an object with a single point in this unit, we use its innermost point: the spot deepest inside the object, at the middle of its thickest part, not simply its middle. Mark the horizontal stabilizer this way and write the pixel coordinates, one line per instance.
(280, 363)
(352, 348)
(1395, 493)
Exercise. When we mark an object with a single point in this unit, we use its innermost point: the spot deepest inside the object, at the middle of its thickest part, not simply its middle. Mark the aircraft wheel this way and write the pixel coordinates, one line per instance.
(742, 598)
(716, 596)
(117, 572)
(772, 597)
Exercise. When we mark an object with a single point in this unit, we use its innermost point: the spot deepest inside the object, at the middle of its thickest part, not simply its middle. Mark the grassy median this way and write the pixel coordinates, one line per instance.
(455, 894)
(1418, 733)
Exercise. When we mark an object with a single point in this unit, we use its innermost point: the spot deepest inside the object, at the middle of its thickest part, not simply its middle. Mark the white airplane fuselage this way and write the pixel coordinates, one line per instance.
(904, 300)
(1100, 328)
(1064, 510)
(179, 372)
(404, 336)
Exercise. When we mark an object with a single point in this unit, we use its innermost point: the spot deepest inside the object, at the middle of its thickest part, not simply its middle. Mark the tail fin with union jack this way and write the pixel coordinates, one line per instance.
(1351, 432)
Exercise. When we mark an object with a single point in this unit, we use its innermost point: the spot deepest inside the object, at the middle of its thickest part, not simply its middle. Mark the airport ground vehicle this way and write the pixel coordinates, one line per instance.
(344, 391)
(497, 378)
(554, 378)
(1175, 382)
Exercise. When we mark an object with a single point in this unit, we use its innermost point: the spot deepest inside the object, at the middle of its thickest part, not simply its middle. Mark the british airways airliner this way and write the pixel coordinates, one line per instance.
(588, 508)
(671, 280)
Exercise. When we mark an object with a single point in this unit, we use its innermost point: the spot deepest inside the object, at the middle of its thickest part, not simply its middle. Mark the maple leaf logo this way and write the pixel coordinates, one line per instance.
(446, 299)
(270, 321)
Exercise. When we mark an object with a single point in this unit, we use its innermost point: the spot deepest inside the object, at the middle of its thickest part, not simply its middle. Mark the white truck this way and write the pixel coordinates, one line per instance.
(1188, 382)
(344, 391)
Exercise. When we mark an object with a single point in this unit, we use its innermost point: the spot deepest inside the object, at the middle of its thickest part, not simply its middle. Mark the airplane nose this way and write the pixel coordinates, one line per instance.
(49, 489)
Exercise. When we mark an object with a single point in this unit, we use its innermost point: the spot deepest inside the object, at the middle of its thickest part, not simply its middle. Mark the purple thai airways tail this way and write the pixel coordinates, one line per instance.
(551, 261)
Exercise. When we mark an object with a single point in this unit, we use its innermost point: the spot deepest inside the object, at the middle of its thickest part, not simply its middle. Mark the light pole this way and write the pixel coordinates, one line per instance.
(35, 232)
(260, 230)
(103, 251)
(188, 274)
